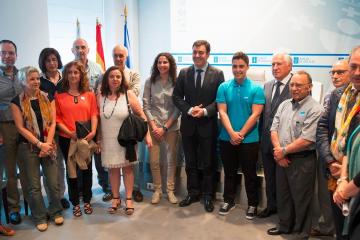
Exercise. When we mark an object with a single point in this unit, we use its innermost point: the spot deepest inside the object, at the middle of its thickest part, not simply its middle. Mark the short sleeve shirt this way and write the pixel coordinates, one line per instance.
(239, 99)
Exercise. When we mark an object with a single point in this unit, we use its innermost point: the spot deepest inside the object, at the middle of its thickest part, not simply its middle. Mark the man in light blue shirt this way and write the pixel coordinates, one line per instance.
(240, 103)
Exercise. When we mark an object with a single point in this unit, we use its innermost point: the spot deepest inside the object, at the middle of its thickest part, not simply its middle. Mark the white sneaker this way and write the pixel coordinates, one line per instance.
(171, 197)
(156, 197)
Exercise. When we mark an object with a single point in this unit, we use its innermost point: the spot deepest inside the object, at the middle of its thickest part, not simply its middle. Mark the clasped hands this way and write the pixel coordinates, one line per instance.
(197, 111)
(158, 133)
(236, 138)
(46, 149)
(279, 157)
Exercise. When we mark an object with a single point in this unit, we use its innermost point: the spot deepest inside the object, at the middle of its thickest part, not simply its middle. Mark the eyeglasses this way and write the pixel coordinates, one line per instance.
(10, 53)
(338, 72)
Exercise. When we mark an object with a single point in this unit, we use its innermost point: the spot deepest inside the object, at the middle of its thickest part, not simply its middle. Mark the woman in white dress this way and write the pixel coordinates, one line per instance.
(113, 111)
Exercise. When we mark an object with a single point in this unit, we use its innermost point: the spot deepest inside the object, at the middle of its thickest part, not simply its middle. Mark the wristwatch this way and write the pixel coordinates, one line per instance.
(165, 128)
(284, 151)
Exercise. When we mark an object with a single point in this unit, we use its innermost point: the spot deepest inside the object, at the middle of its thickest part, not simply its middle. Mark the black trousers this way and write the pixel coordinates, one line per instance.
(200, 153)
(270, 177)
(245, 155)
(86, 176)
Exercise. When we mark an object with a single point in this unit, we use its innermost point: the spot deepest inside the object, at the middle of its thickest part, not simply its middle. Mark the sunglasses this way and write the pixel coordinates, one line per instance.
(76, 99)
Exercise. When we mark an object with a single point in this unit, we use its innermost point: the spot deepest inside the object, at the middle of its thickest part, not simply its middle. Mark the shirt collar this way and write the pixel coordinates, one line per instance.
(45, 77)
(236, 84)
(300, 103)
(286, 79)
(2, 71)
(203, 68)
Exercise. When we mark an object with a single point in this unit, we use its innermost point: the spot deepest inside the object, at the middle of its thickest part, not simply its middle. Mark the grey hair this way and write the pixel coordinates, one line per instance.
(24, 73)
(285, 55)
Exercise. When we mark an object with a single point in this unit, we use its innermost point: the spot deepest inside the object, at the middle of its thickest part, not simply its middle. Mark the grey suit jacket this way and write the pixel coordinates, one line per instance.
(268, 114)
(185, 97)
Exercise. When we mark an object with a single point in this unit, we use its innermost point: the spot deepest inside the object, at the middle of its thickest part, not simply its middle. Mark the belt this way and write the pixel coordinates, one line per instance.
(302, 153)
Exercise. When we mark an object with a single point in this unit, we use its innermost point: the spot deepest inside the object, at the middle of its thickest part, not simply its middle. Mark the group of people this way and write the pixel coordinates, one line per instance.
(49, 118)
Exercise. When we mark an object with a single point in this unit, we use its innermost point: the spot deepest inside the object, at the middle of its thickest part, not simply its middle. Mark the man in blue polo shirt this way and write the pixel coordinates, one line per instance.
(240, 103)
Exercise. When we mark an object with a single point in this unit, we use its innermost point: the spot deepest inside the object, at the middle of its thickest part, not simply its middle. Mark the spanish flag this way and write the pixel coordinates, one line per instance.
(99, 47)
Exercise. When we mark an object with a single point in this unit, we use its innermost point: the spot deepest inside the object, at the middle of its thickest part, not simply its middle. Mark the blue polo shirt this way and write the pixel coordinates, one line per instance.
(239, 99)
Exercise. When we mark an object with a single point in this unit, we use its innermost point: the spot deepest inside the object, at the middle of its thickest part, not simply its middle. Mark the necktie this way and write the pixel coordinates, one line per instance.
(198, 80)
(276, 95)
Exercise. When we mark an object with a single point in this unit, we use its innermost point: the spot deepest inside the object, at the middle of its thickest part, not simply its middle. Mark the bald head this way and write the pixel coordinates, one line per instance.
(80, 50)
(340, 73)
(281, 65)
(120, 54)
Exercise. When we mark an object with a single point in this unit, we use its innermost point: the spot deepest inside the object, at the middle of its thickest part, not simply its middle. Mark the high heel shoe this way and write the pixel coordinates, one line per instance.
(115, 204)
(129, 210)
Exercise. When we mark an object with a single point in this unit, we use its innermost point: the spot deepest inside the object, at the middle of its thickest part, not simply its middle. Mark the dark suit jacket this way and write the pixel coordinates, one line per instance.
(185, 97)
(268, 114)
(326, 127)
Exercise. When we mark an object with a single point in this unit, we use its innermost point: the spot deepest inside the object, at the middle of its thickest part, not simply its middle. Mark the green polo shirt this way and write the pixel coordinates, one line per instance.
(239, 99)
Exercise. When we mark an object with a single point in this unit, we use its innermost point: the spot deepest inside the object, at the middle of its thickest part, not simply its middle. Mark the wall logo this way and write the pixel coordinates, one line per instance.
(254, 59)
(296, 60)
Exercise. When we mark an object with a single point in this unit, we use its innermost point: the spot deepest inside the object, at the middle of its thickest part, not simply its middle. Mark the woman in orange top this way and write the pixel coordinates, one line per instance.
(76, 103)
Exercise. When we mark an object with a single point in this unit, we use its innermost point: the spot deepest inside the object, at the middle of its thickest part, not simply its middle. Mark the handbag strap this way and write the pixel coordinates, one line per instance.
(127, 102)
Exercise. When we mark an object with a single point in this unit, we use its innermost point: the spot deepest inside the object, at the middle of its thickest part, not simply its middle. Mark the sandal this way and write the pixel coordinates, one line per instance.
(129, 210)
(6, 231)
(115, 204)
(77, 211)
(88, 209)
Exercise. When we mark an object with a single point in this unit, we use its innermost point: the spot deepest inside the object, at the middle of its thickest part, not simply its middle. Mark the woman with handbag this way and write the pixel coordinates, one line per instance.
(113, 107)
(77, 118)
(34, 115)
(162, 117)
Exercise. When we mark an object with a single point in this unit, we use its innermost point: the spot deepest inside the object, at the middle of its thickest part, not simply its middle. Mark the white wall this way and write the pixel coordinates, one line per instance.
(314, 31)
(20, 23)
(154, 33)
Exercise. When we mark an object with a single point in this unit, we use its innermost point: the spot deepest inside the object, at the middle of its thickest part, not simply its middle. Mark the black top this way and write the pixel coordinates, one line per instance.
(36, 108)
(49, 87)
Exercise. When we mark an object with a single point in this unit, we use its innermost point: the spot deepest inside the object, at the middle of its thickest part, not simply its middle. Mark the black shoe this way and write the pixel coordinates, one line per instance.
(15, 218)
(137, 196)
(65, 203)
(208, 205)
(188, 200)
(275, 231)
(107, 197)
(267, 212)
(226, 208)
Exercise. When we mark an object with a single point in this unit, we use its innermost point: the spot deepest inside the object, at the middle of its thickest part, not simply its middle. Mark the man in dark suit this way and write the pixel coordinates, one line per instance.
(276, 91)
(194, 95)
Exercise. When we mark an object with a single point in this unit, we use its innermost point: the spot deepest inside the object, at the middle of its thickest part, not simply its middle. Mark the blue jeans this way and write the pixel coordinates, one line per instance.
(36, 201)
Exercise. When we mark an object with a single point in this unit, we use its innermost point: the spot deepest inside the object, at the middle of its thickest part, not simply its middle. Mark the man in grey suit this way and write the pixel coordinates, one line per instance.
(194, 95)
(276, 91)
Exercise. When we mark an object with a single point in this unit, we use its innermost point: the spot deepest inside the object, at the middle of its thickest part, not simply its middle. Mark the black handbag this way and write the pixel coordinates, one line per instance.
(132, 130)
(82, 128)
